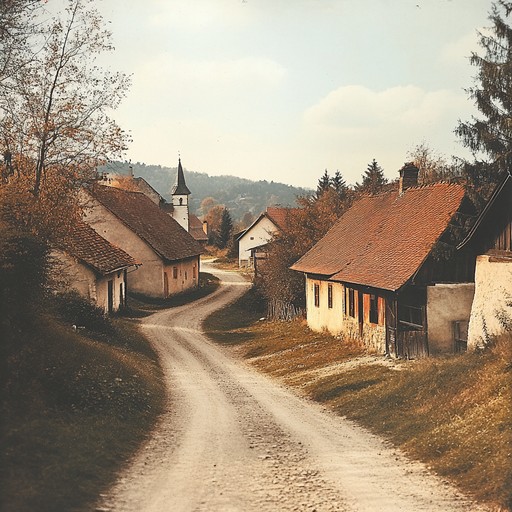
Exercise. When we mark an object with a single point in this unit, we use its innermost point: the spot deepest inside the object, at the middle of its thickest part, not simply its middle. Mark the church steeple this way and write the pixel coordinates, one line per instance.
(180, 187)
(180, 193)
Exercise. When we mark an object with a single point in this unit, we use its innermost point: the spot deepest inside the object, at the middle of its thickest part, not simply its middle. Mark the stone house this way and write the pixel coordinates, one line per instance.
(491, 239)
(381, 274)
(252, 241)
(169, 255)
(94, 267)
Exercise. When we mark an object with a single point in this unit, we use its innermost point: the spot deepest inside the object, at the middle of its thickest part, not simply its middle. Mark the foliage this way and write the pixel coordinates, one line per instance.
(433, 166)
(304, 226)
(489, 137)
(324, 183)
(225, 233)
(373, 179)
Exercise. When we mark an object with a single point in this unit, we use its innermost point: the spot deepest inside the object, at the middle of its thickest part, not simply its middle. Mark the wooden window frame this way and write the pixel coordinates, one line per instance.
(351, 302)
(329, 296)
(316, 288)
(374, 309)
(175, 272)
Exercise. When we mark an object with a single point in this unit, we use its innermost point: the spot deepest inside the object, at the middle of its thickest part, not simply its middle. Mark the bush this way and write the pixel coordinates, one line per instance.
(75, 310)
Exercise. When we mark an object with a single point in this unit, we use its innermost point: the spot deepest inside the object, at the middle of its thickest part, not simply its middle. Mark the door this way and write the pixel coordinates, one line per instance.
(360, 312)
(110, 296)
(391, 327)
(166, 285)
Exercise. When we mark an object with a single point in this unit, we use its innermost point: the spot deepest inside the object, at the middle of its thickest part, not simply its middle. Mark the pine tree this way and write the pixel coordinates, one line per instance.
(490, 135)
(324, 183)
(339, 184)
(225, 229)
(373, 179)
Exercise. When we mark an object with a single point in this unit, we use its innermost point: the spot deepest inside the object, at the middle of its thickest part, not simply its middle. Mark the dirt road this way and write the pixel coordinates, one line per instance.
(233, 440)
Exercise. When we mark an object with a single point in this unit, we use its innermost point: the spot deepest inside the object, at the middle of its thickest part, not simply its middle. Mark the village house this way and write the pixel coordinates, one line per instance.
(253, 241)
(169, 255)
(491, 239)
(96, 269)
(387, 272)
(178, 208)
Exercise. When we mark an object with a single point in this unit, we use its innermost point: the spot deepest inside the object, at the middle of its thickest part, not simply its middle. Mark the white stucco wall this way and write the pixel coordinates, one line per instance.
(187, 275)
(259, 234)
(446, 303)
(491, 308)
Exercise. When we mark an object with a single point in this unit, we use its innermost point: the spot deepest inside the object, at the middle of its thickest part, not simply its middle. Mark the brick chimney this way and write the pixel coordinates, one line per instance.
(408, 177)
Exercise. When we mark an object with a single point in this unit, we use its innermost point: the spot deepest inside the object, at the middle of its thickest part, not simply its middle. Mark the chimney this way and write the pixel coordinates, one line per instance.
(130, 171)
(205, 227)
(408, 177)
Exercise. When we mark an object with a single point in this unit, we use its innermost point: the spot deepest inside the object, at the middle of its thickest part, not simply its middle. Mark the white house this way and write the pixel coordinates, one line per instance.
(253, 240)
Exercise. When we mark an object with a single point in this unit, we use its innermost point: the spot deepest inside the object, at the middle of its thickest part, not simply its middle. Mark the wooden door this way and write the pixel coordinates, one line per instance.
(391, 327)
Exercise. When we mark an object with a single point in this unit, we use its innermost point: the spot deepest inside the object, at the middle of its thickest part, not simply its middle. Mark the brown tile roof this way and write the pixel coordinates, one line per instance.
(195, 228)
(92, 249)
(279, 215)
(381, 241)
(158, 229)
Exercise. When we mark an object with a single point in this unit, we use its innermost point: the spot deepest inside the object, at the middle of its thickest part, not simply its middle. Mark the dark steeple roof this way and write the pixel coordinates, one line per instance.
(180, 187)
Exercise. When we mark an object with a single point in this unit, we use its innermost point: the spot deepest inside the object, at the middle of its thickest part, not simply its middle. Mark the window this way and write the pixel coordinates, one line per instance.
(374, 309)
(317, 295)
(175, 272)
(351, 303)
(194, 272)
(329, 296)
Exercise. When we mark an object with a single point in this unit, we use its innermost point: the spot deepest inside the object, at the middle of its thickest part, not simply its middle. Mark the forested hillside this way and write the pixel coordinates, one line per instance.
(239, 195)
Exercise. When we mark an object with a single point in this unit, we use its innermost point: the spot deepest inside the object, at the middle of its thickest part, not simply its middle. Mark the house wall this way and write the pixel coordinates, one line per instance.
(491, 310)
(149, 277)
(446, 304)
(334, 320)
(89, 284)
(259, 234)
(323, 318)
(182, 275)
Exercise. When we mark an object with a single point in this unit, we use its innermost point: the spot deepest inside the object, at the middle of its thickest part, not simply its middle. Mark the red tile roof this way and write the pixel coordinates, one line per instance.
(92, 249)
(158, 229)
(195, 228)
(279, 216)
(382, 240)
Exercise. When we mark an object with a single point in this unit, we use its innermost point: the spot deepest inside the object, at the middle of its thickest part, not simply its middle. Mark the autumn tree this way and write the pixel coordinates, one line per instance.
(489, 135)
(214, 220)
(373, 179)
(432, 166)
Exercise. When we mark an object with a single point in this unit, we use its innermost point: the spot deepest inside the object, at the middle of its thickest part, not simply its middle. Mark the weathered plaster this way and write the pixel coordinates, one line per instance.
(491, 312)
(446, 304)
(259, 234)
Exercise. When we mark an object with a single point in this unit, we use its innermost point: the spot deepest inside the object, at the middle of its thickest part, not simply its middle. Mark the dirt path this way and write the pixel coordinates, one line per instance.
(233, 440)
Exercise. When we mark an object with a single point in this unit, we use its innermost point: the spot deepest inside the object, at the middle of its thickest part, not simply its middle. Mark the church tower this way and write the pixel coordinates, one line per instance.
(180, 193)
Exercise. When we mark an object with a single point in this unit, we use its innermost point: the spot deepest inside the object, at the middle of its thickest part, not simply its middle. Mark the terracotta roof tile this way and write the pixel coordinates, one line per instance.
(381, 241)
(279, 215)
(195, 228)
(88, 246)
(158, 229)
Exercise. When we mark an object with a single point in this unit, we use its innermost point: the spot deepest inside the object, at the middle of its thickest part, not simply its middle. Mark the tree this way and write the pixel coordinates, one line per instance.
(373, 179)
(225, 230)
(339, 185)
(214, 220)
(324, 183)
(489, 137)
(56, 108)
(433, 166)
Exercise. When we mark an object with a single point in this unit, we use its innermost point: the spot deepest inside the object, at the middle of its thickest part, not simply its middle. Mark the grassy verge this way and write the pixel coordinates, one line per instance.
(140, 305)
(74, 407)
(453, 413)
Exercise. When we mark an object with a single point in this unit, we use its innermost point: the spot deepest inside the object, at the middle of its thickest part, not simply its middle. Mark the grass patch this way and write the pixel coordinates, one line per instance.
(74, 408)
(453, 413)
(141, 305)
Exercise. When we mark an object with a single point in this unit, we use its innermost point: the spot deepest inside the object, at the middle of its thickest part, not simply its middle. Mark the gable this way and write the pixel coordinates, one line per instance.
(381, 241)
(145, 219)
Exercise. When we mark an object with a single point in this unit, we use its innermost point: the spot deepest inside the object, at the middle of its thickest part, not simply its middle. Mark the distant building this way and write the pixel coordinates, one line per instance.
(253, 241)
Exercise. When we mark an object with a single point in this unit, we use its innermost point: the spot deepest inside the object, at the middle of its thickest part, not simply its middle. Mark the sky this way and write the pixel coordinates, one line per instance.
(280, 90)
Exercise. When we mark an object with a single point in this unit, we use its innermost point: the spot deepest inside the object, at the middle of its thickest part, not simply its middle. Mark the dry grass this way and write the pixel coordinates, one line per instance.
(454, 413)
(74, 408)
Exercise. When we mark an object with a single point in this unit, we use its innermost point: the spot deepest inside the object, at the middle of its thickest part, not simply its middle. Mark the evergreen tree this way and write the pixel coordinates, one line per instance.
(225, 230)
(339, 184)
(489, 136)
(373, 179)
(324, 183)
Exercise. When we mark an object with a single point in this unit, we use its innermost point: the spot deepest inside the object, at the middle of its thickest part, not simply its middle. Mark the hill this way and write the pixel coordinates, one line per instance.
(239, 195)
